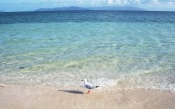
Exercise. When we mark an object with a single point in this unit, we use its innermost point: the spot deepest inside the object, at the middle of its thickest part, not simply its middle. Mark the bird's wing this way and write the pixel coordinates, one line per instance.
(89, 86)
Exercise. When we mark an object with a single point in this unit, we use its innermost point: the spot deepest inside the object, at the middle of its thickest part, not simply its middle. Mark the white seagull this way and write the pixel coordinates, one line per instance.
(88, 85)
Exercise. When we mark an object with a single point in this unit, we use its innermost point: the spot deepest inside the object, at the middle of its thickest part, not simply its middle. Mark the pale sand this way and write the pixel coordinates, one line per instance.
(44, 97)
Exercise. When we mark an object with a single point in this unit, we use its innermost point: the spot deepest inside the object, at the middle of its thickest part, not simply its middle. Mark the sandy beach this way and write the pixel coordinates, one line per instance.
(47, 97)
(129, 54)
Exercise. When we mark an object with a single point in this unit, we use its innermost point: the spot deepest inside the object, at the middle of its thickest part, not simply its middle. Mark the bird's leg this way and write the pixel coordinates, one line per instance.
(88, 91)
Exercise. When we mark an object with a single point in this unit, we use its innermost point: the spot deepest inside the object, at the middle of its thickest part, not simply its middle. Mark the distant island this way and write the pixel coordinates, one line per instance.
(127, 8)
(61, 8)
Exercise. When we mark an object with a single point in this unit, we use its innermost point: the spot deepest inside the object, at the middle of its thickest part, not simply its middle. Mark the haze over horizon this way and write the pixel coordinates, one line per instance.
(30, 5)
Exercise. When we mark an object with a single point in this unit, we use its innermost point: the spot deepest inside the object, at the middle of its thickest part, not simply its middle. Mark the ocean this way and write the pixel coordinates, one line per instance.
(128, 49)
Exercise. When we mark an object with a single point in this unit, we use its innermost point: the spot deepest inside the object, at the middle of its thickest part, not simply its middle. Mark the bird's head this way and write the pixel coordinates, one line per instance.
(85, 80)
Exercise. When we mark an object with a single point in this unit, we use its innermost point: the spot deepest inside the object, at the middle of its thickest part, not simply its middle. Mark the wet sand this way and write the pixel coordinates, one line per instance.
(47, 97)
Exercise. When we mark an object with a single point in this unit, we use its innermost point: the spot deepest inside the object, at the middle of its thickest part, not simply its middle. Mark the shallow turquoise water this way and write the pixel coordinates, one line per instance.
(130, 54)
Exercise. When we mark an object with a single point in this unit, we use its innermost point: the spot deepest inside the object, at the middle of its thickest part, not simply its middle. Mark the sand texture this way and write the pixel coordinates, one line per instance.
(44, 97)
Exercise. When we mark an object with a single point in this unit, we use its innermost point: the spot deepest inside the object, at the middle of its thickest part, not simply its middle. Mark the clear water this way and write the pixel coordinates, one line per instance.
(127, 49)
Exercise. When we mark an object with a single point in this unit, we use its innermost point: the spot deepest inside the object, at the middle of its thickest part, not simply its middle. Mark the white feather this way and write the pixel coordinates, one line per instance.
(88, 85)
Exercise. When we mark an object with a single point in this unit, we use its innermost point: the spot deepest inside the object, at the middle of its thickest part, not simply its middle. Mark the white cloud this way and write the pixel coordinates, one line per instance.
(137, 1)
(171, 3)
(155, 2)
(124, 2)
(60, 3)
(159, 3)
(110, 2)
(102, 2)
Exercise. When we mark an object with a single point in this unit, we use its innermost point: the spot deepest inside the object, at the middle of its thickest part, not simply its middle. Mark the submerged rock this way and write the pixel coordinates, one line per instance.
(21, 67)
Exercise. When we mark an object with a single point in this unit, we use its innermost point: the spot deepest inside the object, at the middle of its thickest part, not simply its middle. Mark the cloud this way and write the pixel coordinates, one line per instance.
(124, 2)
(154, 2)
(99, 2)
(137, 2)
(171, 3)
(158, 3)
(110, 1)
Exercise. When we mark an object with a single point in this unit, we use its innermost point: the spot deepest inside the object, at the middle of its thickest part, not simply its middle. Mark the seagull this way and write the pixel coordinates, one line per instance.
(88, 85)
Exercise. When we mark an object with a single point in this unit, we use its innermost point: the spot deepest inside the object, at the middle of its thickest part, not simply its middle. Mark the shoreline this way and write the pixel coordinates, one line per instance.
(44, 97)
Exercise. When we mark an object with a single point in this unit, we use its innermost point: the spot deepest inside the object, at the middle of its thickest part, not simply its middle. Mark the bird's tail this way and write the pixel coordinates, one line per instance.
(97, 86)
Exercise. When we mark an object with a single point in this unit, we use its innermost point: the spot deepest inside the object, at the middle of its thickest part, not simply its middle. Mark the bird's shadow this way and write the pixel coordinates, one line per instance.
(72, 91)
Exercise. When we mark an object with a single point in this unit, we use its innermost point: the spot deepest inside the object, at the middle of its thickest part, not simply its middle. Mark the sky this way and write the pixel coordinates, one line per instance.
(30, 5)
